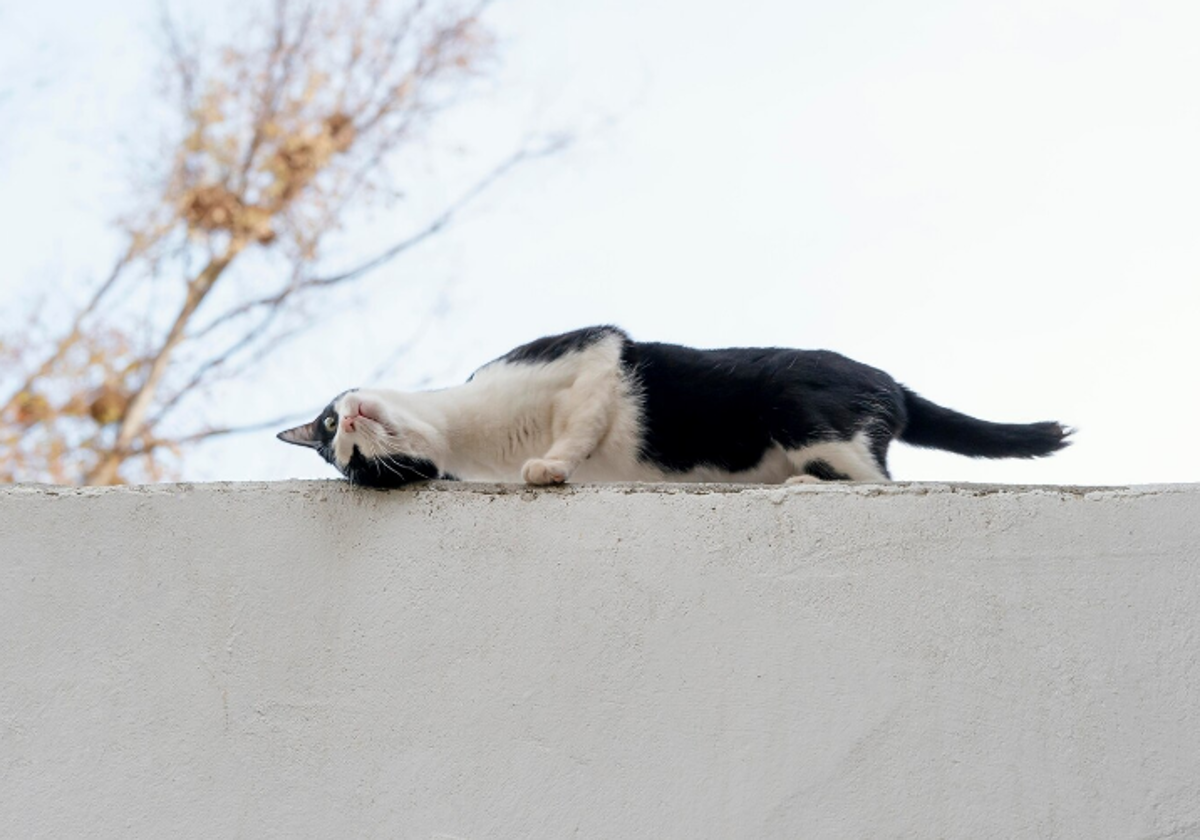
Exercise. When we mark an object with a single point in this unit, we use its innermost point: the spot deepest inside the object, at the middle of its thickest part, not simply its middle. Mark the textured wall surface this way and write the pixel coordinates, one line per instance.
(304, 660)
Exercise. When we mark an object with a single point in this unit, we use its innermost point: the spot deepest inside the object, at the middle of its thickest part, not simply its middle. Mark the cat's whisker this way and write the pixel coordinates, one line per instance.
(380, 441)
(392, 467)
(377, 454)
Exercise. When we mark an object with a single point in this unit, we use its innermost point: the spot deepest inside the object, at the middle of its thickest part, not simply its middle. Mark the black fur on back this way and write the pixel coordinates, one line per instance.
(725, 408)
(553, 347)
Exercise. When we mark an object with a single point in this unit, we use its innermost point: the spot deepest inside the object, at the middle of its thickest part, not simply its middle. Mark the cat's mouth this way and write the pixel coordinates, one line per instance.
(375, 416)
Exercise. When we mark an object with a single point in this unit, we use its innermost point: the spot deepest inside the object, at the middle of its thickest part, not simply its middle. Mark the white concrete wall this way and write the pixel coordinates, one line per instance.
(305, 660)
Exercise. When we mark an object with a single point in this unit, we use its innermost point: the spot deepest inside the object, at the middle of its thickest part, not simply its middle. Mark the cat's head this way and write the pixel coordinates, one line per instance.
(371, 440)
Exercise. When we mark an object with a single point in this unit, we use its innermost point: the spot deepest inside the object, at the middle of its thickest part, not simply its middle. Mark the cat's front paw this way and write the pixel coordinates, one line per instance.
(541, 471)
(804, 479)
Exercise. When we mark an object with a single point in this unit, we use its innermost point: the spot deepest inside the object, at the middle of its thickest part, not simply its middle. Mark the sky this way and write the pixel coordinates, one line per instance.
(995, 203)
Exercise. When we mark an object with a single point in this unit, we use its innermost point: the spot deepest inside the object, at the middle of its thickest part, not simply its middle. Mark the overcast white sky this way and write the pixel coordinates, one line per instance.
(996, 203)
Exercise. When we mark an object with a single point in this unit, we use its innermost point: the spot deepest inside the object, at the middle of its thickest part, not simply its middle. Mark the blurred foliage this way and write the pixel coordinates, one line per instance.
(277, 130)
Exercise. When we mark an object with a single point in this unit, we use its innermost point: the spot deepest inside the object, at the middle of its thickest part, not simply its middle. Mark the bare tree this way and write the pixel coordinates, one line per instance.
(278, 130)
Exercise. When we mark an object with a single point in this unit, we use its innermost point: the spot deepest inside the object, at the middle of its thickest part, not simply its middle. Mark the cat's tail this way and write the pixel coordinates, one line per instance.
(933, 426)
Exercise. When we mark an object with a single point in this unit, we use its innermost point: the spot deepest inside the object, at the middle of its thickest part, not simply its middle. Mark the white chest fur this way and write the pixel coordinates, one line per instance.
(579, 410)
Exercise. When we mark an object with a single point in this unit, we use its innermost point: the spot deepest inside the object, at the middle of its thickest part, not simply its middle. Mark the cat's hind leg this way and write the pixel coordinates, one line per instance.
(816, 471)
(855, 459)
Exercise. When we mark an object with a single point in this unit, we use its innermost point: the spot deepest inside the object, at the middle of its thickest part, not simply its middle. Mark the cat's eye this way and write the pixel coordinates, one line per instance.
(330, 424)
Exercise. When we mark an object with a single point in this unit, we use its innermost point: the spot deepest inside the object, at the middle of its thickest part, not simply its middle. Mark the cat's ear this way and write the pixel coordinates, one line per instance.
(303, 435)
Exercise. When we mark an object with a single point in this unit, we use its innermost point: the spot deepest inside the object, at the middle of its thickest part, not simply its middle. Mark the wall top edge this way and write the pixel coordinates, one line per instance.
(773, 492)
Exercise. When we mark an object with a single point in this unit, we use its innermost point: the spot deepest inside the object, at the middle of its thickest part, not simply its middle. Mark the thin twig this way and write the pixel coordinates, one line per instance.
(72, 335)
(437, 224)
(220, 431)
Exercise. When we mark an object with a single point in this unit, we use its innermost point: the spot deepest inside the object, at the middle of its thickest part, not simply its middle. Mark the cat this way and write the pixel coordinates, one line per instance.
(594, 405)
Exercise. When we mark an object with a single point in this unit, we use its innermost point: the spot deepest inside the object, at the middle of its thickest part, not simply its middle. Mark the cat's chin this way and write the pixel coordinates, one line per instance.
(388, 471)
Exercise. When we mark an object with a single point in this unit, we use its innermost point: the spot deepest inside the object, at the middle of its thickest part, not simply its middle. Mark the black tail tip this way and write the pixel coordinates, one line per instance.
(1053, 436)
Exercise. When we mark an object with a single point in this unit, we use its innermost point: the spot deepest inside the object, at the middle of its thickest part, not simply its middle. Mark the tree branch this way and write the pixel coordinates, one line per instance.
(438, 223)
(279, 130)
(279, 67)
(105, 470)
(220, 431)
(221, 359)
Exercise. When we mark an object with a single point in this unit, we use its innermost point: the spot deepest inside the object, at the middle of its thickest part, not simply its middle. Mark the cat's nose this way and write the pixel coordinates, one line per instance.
(348, 424)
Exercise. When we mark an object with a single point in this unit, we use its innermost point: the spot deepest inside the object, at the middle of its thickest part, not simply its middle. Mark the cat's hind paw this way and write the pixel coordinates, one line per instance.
(541, 471)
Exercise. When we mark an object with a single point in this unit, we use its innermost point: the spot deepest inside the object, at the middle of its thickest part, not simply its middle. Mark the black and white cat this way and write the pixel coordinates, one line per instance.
(594, 405)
